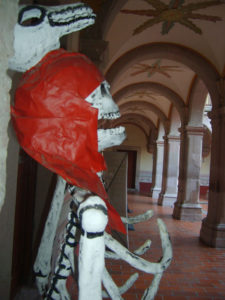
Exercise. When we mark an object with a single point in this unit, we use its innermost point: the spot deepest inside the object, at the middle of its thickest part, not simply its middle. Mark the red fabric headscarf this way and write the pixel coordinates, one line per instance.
(57, 127)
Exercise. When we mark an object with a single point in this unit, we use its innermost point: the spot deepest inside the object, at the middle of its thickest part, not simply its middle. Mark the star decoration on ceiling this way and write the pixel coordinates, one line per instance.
(154, 68)
(174, 12)
(142, 94)
(135, 109)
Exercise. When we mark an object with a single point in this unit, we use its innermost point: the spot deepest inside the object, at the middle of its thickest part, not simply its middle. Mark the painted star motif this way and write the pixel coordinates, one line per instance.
(154, 68)
(142, 94)
(172, 13)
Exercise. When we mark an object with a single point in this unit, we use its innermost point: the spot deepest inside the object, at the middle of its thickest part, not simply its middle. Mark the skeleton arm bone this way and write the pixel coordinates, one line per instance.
(108, 283)
(151, 291)
(139, 263)
(140, 251)
(137, 219)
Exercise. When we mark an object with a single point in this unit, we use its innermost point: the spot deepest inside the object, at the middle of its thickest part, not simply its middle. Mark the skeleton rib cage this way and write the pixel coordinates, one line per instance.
(56, 287)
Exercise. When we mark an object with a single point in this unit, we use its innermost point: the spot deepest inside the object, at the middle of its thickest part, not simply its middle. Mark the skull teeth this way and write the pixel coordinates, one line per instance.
(71, 14)
(111, 116)
(113, 131)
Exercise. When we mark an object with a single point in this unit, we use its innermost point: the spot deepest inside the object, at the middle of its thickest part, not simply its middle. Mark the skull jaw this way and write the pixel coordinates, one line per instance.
(110, 137)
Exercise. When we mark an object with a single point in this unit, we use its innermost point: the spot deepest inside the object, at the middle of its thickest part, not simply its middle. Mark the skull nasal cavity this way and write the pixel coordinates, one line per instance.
(103, 90)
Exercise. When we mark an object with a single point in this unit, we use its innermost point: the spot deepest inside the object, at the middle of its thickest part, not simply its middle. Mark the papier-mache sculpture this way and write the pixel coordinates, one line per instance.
(58, 104)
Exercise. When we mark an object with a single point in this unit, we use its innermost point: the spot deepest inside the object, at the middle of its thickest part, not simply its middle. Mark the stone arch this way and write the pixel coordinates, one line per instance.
(136, 120)
(175, 99)
(203, 68)
(149, 106)
(196, 102)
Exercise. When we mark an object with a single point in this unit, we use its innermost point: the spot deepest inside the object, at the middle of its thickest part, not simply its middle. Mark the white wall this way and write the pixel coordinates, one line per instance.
(9, 148)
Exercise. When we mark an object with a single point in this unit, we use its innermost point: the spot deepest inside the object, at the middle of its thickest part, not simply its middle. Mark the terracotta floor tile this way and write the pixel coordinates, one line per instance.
(196, 272)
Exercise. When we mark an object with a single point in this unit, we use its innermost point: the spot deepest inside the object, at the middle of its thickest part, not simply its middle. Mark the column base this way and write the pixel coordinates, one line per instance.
(167, 199)
(213, 235)
(155, 193)
(187, 212)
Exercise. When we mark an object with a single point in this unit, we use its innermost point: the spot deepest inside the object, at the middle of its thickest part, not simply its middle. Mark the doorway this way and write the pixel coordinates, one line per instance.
(131, 170)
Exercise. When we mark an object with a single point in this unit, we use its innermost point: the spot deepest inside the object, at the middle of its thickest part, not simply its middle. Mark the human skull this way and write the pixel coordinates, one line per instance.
(39, 29)
(101, 99)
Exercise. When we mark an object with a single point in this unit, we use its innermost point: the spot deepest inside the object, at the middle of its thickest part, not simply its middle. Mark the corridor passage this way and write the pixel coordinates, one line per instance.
(196, 272)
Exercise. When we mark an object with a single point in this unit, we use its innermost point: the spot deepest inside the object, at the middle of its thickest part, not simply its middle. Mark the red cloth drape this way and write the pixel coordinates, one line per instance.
(57, 127)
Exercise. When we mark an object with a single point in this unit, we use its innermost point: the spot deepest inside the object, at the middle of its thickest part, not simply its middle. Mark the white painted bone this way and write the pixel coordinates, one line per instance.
(93, 217)
(138, 262)
(34, 40)
(42, 265)
(112, 290)
(65, 264)
(152, 268)
(139, 218)
(101, 99)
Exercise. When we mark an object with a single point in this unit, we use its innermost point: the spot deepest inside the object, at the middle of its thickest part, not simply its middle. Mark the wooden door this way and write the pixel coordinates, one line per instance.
(131, 172)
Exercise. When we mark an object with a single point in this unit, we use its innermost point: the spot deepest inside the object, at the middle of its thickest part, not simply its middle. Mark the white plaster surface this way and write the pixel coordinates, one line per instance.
(8, 168)
(8, 17)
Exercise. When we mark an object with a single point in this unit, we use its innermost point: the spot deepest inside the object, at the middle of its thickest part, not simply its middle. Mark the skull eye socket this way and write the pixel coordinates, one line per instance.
(104, 89)
(31, 15)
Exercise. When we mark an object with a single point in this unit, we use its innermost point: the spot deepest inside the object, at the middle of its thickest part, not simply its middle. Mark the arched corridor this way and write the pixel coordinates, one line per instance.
(165, 63)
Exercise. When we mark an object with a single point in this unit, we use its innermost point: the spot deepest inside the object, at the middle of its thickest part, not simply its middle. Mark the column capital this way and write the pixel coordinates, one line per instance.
(174, 138)
(192, 130)
(160, 143)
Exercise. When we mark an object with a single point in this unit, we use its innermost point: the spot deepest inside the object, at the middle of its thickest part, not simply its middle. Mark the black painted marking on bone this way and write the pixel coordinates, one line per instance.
(40, 274)
(37, 20)
(74, 19)
(92, 235)
(95, 206)
(62, 267)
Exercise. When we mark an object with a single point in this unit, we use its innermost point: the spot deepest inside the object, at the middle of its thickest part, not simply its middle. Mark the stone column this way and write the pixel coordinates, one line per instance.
(168, 194)
(159, 169)
(187, 206)
(154, 158)
(213, 226)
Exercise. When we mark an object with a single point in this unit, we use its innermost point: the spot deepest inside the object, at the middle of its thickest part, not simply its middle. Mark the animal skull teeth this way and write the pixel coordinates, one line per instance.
(71, 15)
(110, 116)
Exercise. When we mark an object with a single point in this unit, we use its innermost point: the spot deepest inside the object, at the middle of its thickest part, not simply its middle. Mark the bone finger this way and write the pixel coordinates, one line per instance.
(110, 286)
(125, 287)
(140, 251)
(42, 264)
(132, 259)
(166, 245)
(143, 249)
(137, 219)
(151, 291)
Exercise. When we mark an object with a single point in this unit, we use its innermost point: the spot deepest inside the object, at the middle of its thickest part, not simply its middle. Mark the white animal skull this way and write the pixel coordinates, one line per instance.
(107, 110)
(39, 29)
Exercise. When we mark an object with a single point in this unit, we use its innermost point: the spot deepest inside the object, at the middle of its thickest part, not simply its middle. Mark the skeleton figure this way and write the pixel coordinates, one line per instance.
(36, 40)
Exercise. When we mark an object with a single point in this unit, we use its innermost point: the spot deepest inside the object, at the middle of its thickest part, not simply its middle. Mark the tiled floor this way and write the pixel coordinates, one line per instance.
(196, 271)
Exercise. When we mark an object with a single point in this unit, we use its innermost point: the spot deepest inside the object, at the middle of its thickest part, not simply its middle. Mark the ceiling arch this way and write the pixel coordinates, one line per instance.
(158, 88)
(146, 106)
(205, 70)
(138, 120)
